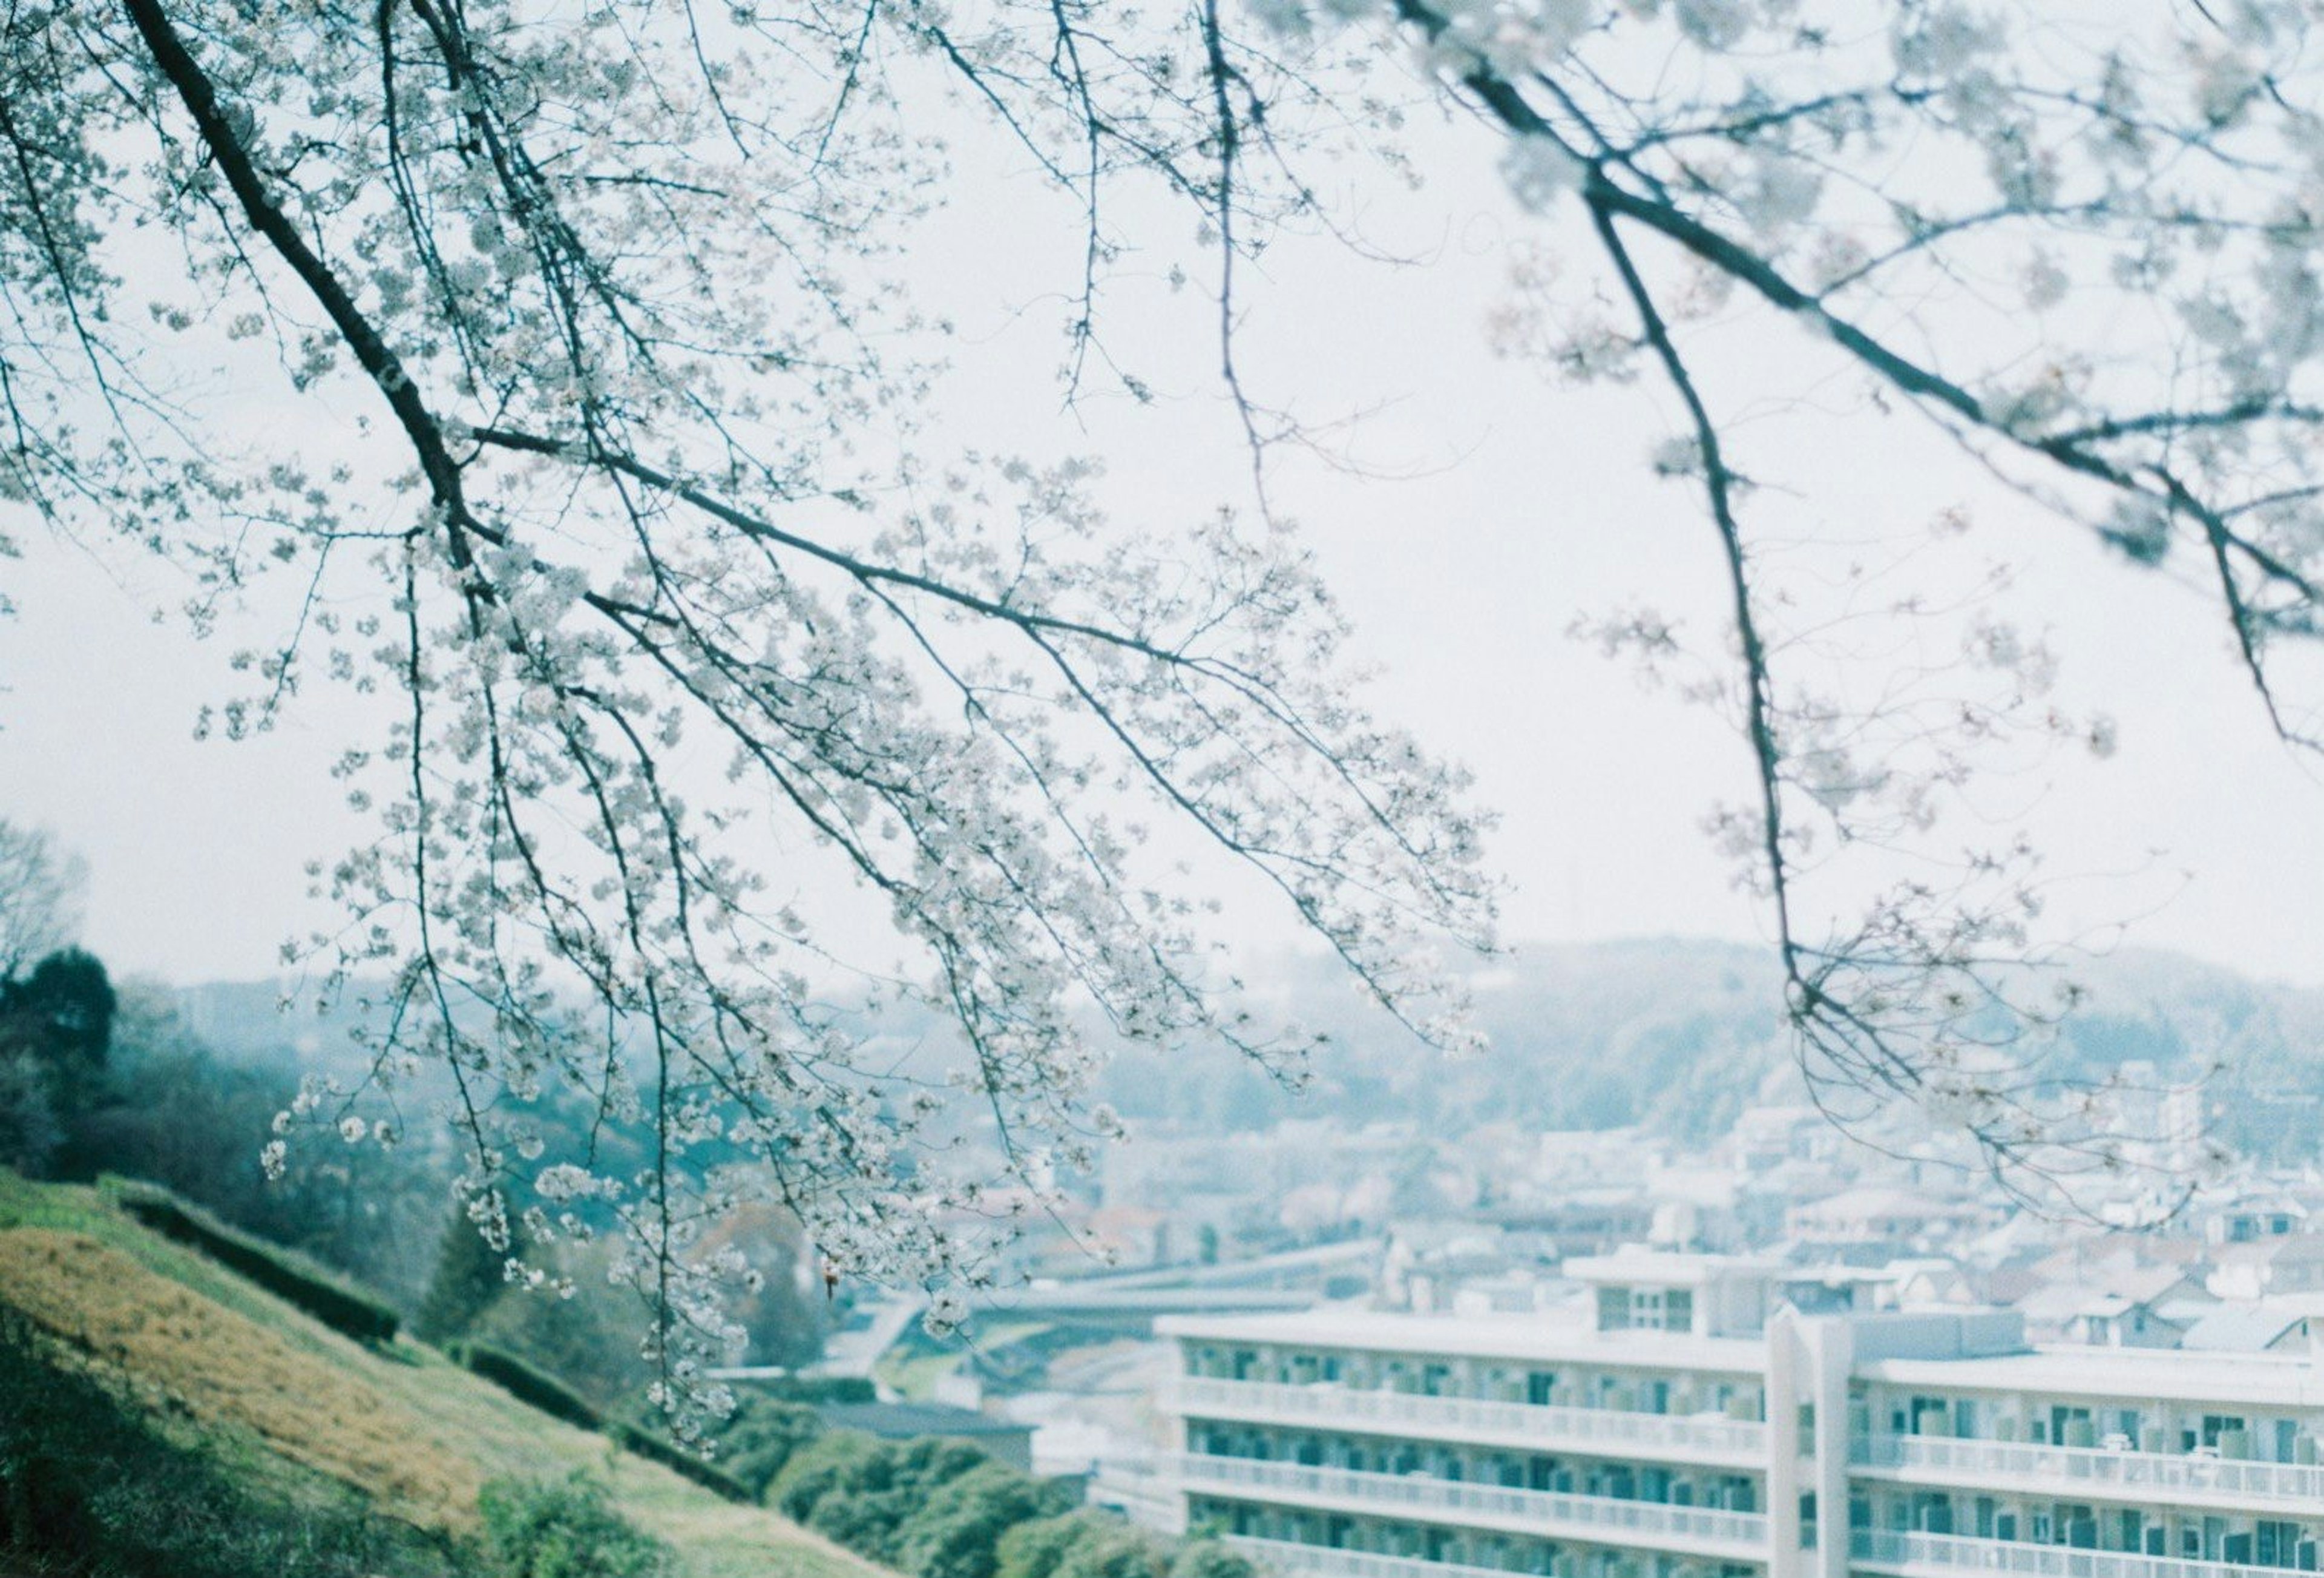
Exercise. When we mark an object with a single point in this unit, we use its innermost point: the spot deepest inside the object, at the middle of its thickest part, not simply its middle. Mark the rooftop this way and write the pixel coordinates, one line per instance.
(2259, 1380)
(1639, 1268)
(1482, 1336)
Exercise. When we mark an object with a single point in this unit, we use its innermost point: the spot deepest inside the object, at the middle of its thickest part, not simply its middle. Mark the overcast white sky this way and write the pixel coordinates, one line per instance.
(1520, 506)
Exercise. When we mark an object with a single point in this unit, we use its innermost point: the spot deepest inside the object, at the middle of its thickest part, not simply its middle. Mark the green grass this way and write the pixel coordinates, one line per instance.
(329, 1297)
(497, 1435)
(78, 1208)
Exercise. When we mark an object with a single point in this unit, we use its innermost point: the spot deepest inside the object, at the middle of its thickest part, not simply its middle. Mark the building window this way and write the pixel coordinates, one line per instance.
(2278, 1544)
(1646, 1309)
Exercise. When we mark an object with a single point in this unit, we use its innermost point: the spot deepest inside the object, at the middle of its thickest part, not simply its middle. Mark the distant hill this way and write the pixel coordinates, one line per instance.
(1673, 1034)
(1679, 1034)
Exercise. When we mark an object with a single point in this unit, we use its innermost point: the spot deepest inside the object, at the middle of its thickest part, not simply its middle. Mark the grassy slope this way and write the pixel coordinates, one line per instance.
(232, 1372)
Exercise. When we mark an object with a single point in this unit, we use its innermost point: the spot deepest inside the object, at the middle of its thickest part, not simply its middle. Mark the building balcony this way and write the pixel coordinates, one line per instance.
(1293, 1560)
(1600, 1432)
(2142, 1478)
(1937, 1556)
(1141, 1490)
(1735, 1537)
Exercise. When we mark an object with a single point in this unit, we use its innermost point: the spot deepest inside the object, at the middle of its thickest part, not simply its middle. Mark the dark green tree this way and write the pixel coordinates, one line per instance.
(956, 1532)
(61, 1013)
(890, 1484)
(762, 1436)
(29, 1133)
(1211, 1557)
(1115, 1550)
(837, 1463)
(1038, 1549)
(591, 1345)
(470, 1274)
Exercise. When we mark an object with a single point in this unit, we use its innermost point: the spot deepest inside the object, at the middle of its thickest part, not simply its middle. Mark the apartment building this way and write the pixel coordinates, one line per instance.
(1696, 1424)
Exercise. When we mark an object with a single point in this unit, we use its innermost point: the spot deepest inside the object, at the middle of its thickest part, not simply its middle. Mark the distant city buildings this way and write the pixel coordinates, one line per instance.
(1605, 1354)
(1689, 1420)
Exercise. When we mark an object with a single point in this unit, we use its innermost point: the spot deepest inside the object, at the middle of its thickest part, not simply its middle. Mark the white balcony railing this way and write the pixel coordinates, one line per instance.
(1602, 1431)
(1550, 1514)
(1290, 1557)
(2136, 1475)
(1918, 1553)
(1140, 1489)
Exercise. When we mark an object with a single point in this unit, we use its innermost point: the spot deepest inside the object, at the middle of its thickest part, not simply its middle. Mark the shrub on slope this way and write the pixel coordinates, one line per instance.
(532, 1384)
(290, 1277)
(565, 1529)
